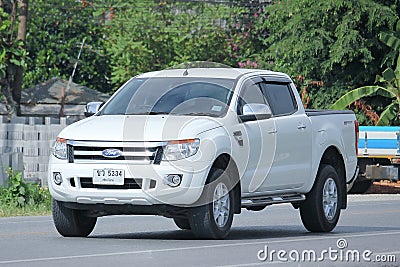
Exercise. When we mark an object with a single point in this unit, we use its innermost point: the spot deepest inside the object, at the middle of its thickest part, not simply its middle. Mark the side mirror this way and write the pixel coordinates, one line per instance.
(252, 112)
(91, 108)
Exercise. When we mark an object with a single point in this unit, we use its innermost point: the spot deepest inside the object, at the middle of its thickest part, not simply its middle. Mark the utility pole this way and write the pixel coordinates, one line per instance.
(18, 78)
(65, 91)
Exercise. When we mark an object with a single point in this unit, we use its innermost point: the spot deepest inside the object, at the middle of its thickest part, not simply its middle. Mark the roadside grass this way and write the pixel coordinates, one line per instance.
(9, 210)
(21, 198)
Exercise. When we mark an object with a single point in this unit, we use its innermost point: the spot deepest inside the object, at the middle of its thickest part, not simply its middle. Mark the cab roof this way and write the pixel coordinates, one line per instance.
(226, 73)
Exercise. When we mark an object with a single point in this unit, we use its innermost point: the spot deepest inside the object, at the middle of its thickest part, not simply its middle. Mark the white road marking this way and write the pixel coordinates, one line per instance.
(370, 198)
(33, 221)
(377, 203)
(332, 236)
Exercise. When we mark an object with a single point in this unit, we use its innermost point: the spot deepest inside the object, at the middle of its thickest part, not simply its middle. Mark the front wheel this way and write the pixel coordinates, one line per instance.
(213, 218)
(70, 222)
(321, 209)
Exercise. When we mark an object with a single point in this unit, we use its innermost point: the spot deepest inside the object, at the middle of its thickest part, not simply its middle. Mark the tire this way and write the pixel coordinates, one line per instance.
(360, 187)
(202, 221)
(320, 213)
(182, 223)
(71, 223)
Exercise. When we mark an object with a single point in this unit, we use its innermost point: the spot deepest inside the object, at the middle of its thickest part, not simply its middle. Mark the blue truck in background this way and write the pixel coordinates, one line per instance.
(378, 156)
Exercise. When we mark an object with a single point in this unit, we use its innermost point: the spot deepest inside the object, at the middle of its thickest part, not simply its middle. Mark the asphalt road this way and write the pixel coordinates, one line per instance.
(369, 228)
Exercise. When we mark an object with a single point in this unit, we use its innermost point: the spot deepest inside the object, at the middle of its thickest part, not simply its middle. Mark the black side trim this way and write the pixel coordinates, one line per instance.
(318, 112)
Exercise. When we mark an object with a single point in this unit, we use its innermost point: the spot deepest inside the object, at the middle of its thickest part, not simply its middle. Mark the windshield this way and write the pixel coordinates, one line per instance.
(172, 95)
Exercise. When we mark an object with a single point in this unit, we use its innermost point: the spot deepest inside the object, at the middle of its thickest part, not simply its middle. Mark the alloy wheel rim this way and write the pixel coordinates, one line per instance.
(330, 198)
(221, 205)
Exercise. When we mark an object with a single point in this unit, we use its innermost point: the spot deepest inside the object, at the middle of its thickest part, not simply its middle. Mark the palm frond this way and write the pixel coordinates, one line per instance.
(390, 40)
(388, 115)
(359, 93)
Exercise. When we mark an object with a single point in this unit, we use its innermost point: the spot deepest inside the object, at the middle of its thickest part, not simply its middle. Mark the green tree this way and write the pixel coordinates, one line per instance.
(331, 41)
(389, 83)
(153, 35)
(56, 30)
(13, 52)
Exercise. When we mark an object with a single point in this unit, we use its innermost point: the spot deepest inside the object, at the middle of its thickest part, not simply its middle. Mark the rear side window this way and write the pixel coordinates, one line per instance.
(280, 98)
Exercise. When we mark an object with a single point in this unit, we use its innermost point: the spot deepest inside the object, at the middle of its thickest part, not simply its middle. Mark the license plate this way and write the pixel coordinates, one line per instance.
(108, 176)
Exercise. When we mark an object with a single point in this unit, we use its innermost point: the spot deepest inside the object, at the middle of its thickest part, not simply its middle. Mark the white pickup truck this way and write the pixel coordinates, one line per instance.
(197, 145)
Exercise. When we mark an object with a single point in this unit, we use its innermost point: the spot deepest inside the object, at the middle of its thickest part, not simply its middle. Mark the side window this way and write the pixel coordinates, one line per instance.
(251, 93)
(280, 98)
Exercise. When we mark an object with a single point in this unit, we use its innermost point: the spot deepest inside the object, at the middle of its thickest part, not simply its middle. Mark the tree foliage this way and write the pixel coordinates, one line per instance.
(153, 35)
(390, 83)
(327, 40)
(56, 30)
(328, 47)
(13, 53)
(335, 42)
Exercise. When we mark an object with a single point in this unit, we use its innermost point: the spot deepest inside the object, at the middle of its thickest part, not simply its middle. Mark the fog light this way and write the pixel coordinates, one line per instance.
(57, 178)
(173, 180)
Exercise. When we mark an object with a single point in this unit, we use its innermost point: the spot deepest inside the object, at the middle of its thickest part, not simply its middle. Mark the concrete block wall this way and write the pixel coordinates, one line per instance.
(25, 145)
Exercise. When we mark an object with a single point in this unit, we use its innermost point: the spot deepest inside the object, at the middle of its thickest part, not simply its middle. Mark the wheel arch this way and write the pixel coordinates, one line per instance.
(225, 162)
(333, 157)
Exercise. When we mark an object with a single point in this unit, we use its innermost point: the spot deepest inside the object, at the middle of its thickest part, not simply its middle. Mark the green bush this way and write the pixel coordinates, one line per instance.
(18, 192)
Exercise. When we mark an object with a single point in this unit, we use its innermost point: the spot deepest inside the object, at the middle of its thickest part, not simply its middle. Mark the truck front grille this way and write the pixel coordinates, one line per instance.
(133, 152)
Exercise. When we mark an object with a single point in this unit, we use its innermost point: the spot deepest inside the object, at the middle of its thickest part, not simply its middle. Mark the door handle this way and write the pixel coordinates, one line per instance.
(301, 126)
(272, 131)
(239, 138)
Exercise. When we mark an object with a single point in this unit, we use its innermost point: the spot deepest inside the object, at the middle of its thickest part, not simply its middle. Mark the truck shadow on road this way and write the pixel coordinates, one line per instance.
(249, 233)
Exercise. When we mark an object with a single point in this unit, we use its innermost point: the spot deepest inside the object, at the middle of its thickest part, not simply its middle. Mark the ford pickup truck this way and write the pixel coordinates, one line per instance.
(198, 145)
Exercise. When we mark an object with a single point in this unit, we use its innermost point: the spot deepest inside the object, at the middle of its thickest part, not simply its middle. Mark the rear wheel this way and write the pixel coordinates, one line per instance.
(70, 222)
(182, 223)
(321, 209)
(213, 219)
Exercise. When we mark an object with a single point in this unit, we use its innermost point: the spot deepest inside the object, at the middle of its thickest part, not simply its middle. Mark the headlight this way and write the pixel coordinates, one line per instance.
(60, 148)
(180, 149)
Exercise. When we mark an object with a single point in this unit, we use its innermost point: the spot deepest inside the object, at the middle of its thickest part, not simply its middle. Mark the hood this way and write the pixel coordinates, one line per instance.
(138, 128)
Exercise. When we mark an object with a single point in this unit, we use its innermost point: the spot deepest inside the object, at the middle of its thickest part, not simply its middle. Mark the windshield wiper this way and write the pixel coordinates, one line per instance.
(196, 114)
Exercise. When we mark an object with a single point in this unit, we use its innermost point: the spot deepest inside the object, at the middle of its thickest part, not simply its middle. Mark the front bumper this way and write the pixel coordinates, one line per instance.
(150, 193)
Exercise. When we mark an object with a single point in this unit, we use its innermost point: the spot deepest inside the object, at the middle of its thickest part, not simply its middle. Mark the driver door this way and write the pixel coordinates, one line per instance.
(258, 137)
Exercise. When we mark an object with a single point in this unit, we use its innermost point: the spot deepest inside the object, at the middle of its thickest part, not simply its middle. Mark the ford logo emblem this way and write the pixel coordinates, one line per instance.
(111, 153)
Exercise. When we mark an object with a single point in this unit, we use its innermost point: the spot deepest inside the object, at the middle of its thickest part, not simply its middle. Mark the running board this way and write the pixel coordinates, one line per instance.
(268, 200)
